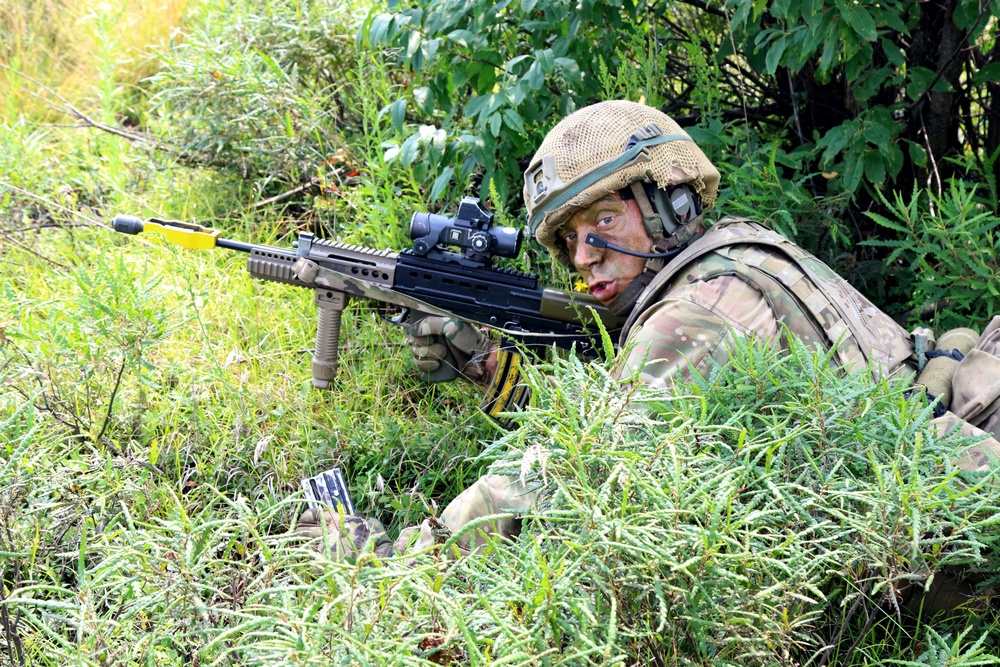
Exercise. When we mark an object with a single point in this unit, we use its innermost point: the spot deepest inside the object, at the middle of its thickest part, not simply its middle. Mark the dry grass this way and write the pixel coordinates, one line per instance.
(67, 44)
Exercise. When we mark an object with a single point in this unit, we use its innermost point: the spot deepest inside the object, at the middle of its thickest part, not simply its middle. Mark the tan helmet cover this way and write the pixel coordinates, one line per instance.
(595, 136)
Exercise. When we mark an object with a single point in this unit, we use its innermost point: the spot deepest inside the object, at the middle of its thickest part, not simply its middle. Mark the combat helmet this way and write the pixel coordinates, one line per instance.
(625, 147)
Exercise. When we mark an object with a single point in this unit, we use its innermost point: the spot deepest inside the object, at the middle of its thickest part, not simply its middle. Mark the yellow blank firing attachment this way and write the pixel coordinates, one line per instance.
(184, 234)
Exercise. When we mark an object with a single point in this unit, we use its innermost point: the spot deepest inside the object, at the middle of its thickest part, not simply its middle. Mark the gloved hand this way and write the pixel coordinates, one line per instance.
(444, 348)
(347, 539)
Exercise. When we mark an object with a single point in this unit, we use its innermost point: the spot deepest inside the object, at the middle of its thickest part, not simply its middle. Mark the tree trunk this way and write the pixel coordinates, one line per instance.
(933, 119)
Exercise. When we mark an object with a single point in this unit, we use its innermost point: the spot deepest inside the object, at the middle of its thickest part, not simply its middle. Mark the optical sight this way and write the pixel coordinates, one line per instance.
(471, 230)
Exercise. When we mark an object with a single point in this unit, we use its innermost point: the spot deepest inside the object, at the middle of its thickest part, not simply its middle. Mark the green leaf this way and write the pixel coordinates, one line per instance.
(829, 53)
(892, 19)
(391, 151)
(461, 37)
(514, 120)
(508, 67)
(570, 69)
(423, 99)
(862, 23)
(814, 20)
(495, 121)
(853, 171)
(920, 80)
(705, 137)
(986, 74)
(459, 76)
(493, 102)
(886, 222)
(893, 158)
(441, 182)
(379, 29)
(870, 82)
(397, 112)
(547, 59)
(874, 167)
(774, 54)
(438, 142)
(833, 142)
(892, 52)
(966, 13)
(535, 76)
(741, 14)
(878, 127)
(413, 44)
(779, 9)
(486, 78)
(429, 49)
(410, 149)
(273, 66)
(515, 95)
(474, 107)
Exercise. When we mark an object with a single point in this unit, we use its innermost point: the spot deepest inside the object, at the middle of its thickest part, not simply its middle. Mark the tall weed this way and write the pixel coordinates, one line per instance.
(947, 254)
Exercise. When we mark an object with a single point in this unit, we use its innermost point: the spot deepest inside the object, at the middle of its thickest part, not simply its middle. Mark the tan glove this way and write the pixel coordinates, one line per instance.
(444, 348)
(346, 540)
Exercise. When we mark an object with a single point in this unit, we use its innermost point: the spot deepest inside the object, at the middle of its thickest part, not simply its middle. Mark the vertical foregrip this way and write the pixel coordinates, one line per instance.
(330, 307)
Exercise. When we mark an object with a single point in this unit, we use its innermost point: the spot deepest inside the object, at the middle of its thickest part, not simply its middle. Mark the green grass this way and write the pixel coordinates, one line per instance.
(156, 416)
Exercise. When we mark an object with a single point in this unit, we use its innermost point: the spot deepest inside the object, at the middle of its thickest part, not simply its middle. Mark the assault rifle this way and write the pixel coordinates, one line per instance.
(428, 279)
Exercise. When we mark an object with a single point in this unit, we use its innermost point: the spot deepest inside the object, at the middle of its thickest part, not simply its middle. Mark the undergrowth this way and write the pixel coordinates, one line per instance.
(771, 513)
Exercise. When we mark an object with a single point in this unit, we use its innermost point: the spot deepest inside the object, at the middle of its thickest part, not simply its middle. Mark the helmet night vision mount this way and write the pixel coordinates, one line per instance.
(472, 230)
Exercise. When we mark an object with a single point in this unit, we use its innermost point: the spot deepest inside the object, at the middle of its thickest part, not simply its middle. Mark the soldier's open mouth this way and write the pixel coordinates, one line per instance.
(602, 289)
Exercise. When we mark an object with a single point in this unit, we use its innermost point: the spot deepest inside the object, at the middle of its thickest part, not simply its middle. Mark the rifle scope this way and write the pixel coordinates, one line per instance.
(471, 230)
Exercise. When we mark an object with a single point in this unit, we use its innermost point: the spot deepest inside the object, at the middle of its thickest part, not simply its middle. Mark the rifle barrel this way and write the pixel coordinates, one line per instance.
(234, 245)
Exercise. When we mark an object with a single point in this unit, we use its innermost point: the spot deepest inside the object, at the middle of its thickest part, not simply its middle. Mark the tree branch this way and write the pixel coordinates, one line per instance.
(763, 113)
(698, 4)
(69, 109)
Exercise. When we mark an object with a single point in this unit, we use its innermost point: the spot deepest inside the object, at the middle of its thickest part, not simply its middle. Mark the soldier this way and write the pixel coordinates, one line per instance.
(616, 192)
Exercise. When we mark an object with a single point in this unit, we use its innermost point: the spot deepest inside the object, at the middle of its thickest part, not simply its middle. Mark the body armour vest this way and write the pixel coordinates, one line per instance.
(807, 297)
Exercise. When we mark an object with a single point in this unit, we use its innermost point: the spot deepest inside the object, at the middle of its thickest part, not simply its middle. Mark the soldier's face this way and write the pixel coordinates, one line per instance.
(606, 272)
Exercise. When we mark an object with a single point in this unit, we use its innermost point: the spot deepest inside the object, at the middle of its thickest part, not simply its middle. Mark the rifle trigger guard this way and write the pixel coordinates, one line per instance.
(400, 318)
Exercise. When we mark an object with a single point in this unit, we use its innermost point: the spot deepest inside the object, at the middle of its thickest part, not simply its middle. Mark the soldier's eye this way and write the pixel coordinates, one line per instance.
(605, 221)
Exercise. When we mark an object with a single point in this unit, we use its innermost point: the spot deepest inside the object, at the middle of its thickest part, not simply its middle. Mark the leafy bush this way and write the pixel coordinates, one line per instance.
(490, 78)
(875, 88)
(734, 524)
(948, 253)
(154, 421)
(259, 90)
(71, 358)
